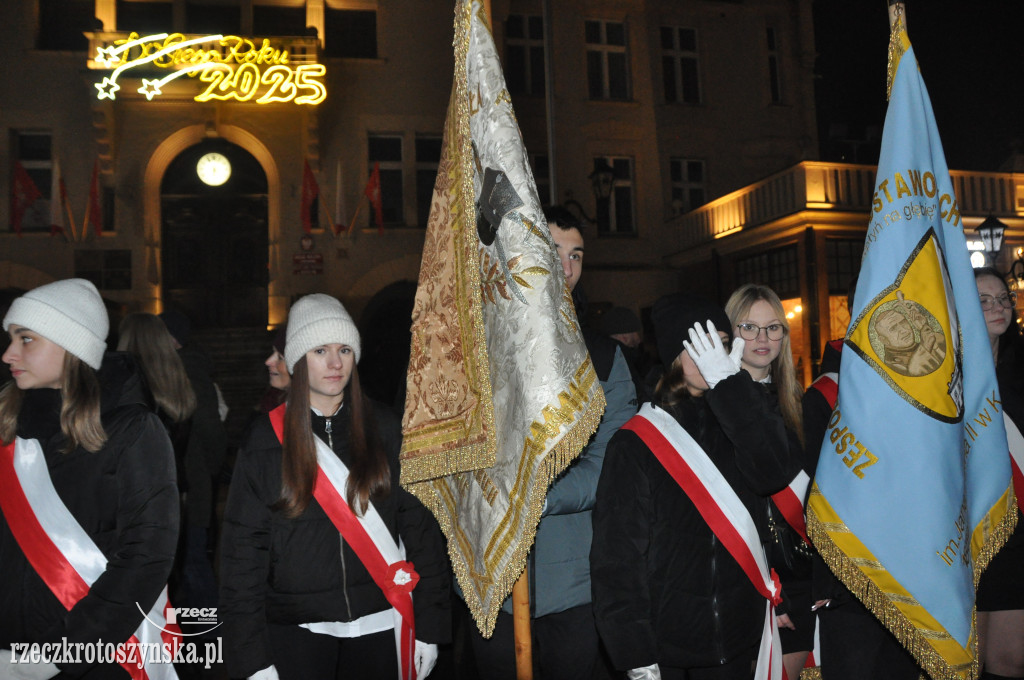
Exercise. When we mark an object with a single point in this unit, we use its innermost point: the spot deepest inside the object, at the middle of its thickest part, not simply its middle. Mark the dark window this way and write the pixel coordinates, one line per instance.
(61, 23)
(843, 262)
(350, 33)
(108, 269)
(524, 54)
(273, 21)
(386, 150)
(428, 156)
(145, 18)
(689, 189)
(680, 65)
(607, 60)
(205, 19)
(620, 207)
(778, 269)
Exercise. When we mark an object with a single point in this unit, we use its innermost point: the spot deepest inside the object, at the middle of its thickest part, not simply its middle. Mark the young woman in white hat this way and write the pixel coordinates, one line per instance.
(87, 490)
(329, 569)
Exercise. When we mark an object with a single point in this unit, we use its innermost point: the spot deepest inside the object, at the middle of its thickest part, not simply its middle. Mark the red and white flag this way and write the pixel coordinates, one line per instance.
(24, 193)
(61, 216)
(372, 192)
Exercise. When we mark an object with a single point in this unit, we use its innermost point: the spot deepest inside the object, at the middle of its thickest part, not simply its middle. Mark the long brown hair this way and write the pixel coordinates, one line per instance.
(146, 338)
(671, 388)
(783, 372)
(79, 411)
(369, 473)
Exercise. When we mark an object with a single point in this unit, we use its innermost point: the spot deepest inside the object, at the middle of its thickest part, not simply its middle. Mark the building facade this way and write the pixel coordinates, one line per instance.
(685, 101)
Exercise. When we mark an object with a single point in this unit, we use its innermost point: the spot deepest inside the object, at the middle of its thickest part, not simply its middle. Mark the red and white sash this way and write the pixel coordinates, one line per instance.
(370, 540)
(65, 557)
(724, 513)
(1016, 444)
(790, 502)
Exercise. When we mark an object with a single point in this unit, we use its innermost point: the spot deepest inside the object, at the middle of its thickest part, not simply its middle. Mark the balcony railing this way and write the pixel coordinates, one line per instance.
(839, 187)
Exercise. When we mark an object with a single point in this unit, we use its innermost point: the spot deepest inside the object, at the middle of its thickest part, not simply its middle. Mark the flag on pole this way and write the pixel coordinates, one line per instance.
(94, 213)
(61, 216)
(24, 193)
(501, 393)
(372, 192)
(912, 495)
(310, 213)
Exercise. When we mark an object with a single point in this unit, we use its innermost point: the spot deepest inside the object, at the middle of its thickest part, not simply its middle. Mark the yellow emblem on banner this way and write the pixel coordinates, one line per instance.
(909, 335)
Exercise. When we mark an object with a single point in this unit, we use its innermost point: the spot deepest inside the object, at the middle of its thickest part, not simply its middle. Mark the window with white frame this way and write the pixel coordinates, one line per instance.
(32, 174)
(607, 60)
(621, 219)
(524, 54)
(774, 66)
(680, 65)
(689, 184)
(428, 157)
(386, 150)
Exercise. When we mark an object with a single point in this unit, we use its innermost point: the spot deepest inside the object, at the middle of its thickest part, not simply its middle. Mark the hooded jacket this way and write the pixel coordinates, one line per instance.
(125, 498)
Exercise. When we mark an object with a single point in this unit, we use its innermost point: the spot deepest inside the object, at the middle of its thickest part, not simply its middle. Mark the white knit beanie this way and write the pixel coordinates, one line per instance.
(317, 320)
(69, 313)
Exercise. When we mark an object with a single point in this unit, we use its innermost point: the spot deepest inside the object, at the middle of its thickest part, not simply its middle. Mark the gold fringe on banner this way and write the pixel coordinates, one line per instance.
(894, 608)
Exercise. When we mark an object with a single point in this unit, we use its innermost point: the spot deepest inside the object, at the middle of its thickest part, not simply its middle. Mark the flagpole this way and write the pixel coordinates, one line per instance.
(521, 590)
(521, 627)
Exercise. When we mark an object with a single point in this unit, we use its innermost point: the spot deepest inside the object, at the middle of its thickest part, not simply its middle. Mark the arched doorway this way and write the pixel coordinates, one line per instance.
(214, 250)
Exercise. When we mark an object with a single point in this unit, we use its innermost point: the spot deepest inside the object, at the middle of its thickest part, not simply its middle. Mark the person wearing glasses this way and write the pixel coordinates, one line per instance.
(1000, 598)
(757, 316)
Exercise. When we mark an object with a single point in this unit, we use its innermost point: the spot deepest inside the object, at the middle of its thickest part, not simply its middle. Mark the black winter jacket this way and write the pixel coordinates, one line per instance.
(125, 498)
(665, 590)
(292, 571)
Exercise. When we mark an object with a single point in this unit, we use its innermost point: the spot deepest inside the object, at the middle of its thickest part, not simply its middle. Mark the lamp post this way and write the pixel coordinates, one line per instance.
(991, 232)
(601, 181)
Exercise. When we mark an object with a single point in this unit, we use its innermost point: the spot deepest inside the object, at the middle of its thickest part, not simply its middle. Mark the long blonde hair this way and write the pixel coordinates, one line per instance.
(146, 337)
(79, 410)
(782, 370)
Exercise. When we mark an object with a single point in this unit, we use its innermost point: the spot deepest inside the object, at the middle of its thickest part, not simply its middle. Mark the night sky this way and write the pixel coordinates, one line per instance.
(972, 59)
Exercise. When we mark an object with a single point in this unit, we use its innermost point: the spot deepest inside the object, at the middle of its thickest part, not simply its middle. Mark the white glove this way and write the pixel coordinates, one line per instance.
(424, 658)
(708, 353)
(651, 672)
(24, 671)
(268, 673)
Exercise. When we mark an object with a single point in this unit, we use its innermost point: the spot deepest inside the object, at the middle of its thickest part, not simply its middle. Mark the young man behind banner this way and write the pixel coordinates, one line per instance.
(565, 638)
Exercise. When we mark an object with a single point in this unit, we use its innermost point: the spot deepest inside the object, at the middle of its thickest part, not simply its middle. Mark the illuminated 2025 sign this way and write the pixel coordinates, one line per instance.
(233, 68)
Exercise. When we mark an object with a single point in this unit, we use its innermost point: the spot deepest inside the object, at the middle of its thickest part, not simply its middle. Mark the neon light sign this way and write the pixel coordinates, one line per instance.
(233, 68)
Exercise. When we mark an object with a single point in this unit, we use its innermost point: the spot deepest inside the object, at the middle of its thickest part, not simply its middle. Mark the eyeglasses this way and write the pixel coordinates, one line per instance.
(750, 331)
(1004, 301)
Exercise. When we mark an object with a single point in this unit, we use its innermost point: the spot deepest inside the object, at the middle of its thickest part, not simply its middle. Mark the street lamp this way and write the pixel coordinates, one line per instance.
(991, 233)
(601, 181)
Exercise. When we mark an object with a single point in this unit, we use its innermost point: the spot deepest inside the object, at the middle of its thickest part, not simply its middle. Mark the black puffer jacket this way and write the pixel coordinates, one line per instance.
(665, 590)
(124, 496)
(292, 571)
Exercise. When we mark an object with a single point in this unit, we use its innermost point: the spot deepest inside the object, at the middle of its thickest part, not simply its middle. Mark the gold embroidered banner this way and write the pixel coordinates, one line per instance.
(501, 393)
